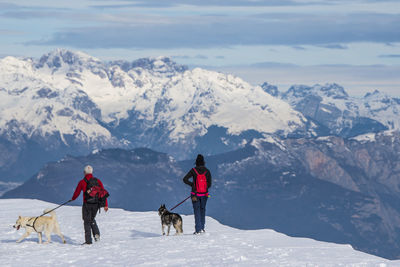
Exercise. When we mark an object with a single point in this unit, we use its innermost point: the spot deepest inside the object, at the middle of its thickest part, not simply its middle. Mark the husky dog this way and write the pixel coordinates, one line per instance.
(168, 218)
(43, 224)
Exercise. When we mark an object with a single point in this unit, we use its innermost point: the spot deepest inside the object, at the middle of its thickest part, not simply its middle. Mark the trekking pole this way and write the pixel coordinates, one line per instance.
(181, 202)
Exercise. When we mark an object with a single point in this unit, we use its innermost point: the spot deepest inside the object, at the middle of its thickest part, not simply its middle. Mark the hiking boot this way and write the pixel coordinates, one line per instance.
(86, 243)
(97, 238)
(196, 233)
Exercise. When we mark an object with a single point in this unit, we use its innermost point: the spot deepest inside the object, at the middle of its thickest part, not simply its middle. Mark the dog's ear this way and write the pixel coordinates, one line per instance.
(163, 205)
(19, 217)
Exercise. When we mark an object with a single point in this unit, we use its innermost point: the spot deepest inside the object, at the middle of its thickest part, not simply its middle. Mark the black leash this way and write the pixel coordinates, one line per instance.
(181, 202)
(33, 224)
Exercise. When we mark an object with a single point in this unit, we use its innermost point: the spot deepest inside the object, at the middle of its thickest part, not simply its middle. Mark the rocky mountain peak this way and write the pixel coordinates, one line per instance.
(333, 90)
(63, 57)
(372, 94)
(162, 65)
(270, 89)
(298, 91)
(376, 95)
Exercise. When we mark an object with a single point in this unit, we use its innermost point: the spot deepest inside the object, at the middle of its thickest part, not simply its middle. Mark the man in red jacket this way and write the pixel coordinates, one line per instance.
(89, 210)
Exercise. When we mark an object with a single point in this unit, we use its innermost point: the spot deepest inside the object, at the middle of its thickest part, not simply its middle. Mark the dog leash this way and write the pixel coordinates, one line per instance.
(181, 202)
(33, 224)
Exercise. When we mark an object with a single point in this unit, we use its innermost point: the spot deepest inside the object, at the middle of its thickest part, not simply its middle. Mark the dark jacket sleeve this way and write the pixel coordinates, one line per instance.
(186, 178)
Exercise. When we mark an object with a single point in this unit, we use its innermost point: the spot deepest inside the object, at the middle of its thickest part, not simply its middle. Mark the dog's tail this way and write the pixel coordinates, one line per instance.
(52, 213)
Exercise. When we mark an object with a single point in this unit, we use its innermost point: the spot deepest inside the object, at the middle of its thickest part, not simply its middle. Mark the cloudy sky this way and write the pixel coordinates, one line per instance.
(283, 42)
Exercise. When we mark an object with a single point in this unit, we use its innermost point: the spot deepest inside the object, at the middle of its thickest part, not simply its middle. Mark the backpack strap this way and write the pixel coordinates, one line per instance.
(87, 181)
(197, 172)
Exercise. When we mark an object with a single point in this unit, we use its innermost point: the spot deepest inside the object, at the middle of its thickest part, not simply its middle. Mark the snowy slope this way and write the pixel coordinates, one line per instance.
(133, 239)
(383, 108)
(38, 104)
(198, 99)
(42, 95)
(344, 115)
(71, 103)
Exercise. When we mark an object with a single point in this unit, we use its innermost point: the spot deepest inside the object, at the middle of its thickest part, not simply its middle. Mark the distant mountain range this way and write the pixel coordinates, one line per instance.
(70, 103)
(337, 113)
(312, 161)
(327, 188)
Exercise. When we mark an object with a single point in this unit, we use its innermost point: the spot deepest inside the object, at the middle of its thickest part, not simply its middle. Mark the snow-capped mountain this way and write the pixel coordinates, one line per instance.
(34, 103)
(134, 239)
(69, 102)
(163, 94)
(327, 188)
(337, 113)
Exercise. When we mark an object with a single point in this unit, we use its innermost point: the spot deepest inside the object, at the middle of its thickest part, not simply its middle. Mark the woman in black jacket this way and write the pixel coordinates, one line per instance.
(201, 181)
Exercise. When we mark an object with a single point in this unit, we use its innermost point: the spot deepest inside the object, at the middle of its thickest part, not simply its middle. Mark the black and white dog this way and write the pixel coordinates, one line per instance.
(168, 218)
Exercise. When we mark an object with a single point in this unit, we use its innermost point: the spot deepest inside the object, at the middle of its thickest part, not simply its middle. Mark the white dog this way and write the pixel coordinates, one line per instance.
(43, 224)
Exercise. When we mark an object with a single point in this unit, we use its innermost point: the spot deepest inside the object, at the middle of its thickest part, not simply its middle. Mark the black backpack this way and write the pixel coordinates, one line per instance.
(94, 194)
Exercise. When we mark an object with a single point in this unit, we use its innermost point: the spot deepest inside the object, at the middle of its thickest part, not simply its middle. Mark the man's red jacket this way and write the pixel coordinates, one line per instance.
(82, 187)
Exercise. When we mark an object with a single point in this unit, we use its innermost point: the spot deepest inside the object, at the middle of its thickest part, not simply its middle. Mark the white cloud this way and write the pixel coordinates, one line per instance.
(209, 32)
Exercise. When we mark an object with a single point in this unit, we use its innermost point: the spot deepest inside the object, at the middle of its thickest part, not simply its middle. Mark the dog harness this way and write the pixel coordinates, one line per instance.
(33, 224)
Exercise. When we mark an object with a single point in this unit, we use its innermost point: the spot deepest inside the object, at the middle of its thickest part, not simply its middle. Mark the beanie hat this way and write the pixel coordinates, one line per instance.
(88, 169)
(200, 160)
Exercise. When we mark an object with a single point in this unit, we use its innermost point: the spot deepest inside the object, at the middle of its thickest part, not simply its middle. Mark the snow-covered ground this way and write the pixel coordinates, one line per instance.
(134, 239)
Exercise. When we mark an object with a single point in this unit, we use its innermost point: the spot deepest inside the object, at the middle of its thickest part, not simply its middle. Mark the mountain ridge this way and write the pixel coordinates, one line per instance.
(338, 113)
(70, 102)
(327, 188)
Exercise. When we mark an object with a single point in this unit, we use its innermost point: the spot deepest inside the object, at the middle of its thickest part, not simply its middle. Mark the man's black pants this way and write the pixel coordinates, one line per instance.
(89, 212)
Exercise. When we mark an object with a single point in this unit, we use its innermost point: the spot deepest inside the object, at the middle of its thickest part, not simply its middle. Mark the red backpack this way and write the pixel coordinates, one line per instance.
(201, 183)
(94, 193)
